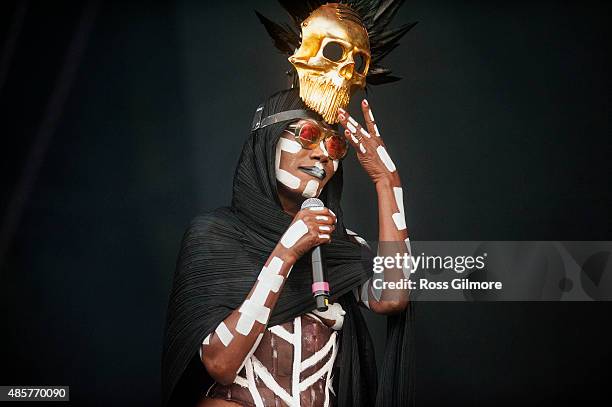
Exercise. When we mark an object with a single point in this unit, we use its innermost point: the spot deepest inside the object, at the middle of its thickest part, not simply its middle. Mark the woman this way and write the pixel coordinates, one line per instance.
(242, 329)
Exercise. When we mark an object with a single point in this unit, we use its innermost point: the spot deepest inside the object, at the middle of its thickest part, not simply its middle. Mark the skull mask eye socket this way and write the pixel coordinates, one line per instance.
(360, 63)
(333, 51)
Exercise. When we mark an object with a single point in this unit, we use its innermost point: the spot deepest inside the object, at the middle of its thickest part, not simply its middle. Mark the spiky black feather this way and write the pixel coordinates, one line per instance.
(285, 39)
(376, 16)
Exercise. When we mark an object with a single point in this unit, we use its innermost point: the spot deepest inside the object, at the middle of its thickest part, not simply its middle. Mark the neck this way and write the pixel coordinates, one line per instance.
(290, 204)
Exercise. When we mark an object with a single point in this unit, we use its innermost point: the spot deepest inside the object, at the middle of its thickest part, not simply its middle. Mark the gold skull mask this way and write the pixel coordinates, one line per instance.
(333, 59)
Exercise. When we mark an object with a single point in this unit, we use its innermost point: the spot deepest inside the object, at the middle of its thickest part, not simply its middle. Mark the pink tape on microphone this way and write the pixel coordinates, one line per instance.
(320, 286)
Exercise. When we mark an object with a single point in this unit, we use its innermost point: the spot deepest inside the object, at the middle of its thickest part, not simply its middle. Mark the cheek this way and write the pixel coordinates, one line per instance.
(285, 149)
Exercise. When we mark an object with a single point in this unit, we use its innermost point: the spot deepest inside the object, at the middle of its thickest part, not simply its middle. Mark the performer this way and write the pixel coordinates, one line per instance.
(242, 327)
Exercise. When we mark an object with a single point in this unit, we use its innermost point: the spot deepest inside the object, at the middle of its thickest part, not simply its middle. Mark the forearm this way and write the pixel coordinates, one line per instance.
(236, 338)
(392, 236)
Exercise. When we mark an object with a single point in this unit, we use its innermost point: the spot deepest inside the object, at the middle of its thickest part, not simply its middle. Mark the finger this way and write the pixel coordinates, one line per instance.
(352, 128)
(324, 238)
(369, 118)
(325, 220)
(321, 210)
(326, 229)
(362, 136)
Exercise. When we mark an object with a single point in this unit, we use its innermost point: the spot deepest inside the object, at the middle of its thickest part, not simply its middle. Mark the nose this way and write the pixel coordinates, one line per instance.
(319, 153)
(347, 70)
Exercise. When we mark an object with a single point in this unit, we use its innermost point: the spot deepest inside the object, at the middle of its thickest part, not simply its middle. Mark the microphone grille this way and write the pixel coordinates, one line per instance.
(312, 203)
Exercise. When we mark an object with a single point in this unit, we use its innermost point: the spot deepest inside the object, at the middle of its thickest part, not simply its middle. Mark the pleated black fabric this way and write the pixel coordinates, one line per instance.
(222, 254)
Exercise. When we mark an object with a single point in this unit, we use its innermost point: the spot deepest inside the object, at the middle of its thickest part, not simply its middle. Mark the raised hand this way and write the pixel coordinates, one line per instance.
(369, 145)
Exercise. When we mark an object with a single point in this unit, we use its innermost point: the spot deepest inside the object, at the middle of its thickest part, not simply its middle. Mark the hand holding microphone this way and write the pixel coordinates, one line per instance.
(312, 227)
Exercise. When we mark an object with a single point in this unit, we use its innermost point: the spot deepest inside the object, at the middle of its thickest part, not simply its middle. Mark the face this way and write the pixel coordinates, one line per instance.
(333, 59)
(302, 173)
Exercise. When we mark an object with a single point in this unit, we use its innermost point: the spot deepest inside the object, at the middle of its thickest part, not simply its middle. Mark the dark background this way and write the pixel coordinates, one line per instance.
(120, 121)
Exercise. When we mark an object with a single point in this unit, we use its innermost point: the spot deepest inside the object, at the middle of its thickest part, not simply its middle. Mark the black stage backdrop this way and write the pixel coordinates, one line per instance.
(120, 121)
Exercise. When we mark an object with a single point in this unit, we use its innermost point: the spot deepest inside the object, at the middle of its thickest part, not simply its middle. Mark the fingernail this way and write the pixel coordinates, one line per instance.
(365, 102)
(317, 208)
(341, 117)
(341, 110)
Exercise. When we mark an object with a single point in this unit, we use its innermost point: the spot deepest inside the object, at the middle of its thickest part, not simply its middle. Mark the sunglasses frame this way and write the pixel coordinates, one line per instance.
(326, 133)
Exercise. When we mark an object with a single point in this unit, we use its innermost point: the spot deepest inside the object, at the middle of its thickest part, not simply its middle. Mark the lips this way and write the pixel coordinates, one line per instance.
(314, 171)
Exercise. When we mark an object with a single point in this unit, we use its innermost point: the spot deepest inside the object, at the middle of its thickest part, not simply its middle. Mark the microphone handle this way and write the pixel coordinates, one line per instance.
(320, 287)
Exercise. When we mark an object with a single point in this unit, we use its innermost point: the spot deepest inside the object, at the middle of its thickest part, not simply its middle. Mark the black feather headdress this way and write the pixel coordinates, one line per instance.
(375, 15)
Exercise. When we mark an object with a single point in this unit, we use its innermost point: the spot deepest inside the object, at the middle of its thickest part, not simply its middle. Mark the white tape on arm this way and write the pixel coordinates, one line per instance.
(399, 217)
(384, 156)
(294, 233)
(224, 334)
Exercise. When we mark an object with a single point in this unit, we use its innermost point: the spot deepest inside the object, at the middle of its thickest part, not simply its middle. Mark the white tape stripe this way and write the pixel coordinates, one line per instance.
(311, 188)
(350, 232)
(224, 334)
(317, 208)
(351, 127)
(269, 381)
(269, 280)
(245, 325)
(352, 121)
(294, 233)
(400, 221)
(322, 146)
(371, 115)
(361, 241)
(312, 379)
(335, 164)
(407, 242)
(354, 138)
(320, 354)
(288, 179)
(290, 146)
(313, 316)
(241, 381)
(323, 236)
(399, 218)
(324, 228)
(206, 340)
(261, 291)
(321, 217)
(297, 359)
(384, 156)
(257, 311)
(253, 348)
(365, 133)
(282, 333)
(252, 386)
(376, 129)
(362, 148)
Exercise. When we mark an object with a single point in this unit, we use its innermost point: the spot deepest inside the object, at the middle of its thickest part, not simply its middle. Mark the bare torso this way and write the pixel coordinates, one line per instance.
(279, 373)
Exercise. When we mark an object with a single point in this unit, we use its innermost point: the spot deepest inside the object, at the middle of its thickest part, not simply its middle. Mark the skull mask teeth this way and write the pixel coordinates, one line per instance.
(333, 59)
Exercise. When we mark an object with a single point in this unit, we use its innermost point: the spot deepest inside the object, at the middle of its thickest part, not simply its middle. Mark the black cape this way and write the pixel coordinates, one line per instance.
(221, 255)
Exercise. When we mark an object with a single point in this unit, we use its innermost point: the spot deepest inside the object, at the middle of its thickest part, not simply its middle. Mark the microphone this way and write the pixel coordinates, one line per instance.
(320, 287)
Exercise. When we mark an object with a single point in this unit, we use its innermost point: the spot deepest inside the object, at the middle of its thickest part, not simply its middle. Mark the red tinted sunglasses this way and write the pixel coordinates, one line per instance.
(309, 133)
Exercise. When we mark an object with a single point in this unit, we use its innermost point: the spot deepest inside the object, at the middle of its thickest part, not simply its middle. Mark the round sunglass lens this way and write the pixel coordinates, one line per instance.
(309, 135)
(336, 147)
